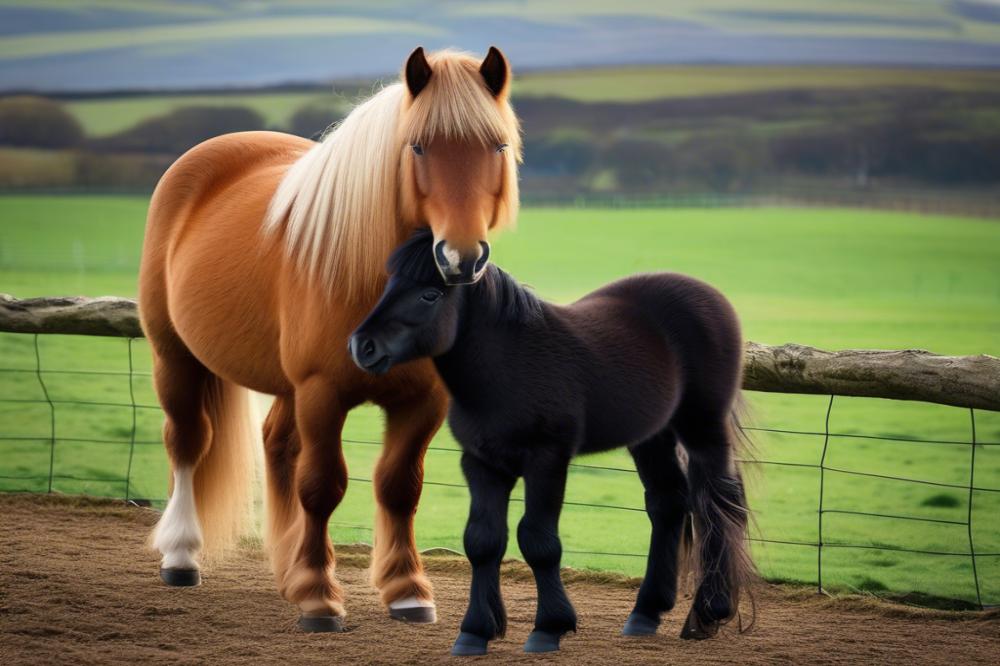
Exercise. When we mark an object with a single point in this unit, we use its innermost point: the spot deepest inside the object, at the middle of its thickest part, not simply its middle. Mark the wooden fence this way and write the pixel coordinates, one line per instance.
(960, 381)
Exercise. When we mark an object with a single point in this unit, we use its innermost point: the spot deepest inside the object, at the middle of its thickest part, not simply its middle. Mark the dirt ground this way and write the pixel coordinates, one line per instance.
(78, 586)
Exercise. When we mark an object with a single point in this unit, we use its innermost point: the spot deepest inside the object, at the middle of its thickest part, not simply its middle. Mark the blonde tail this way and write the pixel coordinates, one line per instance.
(224, 478)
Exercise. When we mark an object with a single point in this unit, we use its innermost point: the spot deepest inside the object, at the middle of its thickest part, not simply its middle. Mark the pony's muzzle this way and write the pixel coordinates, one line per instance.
(458, 267)
(368, 354)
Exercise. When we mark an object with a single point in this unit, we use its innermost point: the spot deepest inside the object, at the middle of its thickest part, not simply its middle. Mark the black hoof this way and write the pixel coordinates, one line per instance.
(542, 641)
(695, 630)
(469, 645)
(638, 624)
(315, 624)
(181, 577)
(416, 614)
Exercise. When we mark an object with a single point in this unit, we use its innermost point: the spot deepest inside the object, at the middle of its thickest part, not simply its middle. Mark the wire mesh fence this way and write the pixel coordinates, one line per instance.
(76, 421)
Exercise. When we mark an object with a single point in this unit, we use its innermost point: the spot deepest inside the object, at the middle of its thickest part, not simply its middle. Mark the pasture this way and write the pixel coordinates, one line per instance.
(828, 278)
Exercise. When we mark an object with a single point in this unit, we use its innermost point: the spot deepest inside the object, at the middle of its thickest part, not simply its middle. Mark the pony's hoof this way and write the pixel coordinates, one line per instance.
(414, 614)
(638, 624)
(315, 624)
(180, 577)
(697, 631)
(542, 641)
(469, 645)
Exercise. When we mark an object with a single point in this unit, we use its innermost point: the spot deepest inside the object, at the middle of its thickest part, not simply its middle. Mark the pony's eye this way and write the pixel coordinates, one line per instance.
(417, 149)
(430, 296)
(502, 147)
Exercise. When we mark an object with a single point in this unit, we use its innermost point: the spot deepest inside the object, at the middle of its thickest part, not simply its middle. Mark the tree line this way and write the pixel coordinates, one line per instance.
(728, 143)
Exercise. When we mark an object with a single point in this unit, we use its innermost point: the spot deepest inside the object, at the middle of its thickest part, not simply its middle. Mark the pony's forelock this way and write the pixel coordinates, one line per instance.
(341, 207)
(456, 104)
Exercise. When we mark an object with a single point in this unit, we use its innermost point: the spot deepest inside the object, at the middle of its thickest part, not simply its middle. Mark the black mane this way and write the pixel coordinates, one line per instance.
(505, 299)
(414, 259)
(497, 293)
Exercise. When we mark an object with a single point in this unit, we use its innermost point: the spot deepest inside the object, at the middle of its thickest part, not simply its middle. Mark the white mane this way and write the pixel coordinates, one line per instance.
(339, 199)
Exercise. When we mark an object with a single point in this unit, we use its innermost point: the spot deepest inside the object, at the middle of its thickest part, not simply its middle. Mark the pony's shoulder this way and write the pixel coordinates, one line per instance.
(206, 169)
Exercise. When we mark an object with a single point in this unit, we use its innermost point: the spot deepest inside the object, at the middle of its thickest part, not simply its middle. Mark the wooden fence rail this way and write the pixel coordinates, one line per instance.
(961, 381)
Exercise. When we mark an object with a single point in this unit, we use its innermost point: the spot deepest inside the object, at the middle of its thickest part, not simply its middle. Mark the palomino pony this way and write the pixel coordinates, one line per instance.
(642, 363)
(262, 252)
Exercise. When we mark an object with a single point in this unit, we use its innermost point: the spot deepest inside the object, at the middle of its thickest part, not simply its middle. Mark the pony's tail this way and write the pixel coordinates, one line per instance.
(224, 477)
(717, 536)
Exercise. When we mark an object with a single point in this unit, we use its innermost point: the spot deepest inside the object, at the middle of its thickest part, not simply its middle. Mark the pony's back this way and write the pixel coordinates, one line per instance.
(698, 321)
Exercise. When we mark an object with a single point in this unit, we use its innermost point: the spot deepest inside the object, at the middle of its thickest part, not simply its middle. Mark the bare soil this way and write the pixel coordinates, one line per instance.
(77, 585)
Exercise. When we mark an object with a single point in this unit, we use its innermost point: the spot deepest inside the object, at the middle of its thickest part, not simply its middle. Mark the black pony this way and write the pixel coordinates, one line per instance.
(643, 363)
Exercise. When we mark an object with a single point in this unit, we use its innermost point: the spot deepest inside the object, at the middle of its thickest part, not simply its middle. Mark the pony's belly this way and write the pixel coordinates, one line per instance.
(221, 306)
(226, 341)
(627, 417)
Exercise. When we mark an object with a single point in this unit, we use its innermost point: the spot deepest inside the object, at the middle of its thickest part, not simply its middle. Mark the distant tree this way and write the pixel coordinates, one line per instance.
(559, 155)
(724, 162)
(181, 129)
(311, 121)
(37, 122)
(639, 164)
(128, 171)
(716, 162)
(828, 151)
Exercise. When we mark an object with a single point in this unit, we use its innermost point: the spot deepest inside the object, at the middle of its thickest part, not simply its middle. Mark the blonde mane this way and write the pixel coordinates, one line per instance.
(341, 206)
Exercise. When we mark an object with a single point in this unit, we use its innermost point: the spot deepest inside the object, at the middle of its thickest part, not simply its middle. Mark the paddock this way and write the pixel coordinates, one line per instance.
(78, 586)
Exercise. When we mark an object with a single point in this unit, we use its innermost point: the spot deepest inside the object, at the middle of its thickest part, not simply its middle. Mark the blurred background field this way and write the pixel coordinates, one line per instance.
(832, 167)
(894, 105)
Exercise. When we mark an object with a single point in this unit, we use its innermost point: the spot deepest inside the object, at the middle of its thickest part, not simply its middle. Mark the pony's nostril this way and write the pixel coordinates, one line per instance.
(484, 256)
(439, 255)
(368, 349)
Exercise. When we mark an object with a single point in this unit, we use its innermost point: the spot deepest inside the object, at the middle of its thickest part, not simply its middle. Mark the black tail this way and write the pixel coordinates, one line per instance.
(720, 554)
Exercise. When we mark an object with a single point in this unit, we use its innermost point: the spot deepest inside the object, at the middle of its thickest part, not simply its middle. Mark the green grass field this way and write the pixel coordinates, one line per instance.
(829, 278)
(631, 84)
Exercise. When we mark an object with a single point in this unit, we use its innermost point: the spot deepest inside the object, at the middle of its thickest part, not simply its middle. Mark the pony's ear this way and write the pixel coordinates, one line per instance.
(418, 71)
(495, 71)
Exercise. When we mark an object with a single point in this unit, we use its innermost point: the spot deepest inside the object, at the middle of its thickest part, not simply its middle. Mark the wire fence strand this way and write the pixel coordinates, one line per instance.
(819, 512)
(972, 486)
(131, 446)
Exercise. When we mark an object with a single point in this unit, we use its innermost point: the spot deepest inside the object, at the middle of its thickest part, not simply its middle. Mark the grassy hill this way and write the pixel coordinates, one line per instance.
(102, 116)
(629, 84)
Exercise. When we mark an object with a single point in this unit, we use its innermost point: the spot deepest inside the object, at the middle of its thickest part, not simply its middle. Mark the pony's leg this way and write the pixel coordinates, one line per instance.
(485, 544)
(666, 505)
(281, 449)
(719, 507)
(180, 382)
(320, 483)
(538, 538)
(396, 568)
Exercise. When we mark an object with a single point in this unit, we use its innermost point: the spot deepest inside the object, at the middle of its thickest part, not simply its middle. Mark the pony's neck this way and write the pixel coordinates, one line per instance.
(494, 314)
